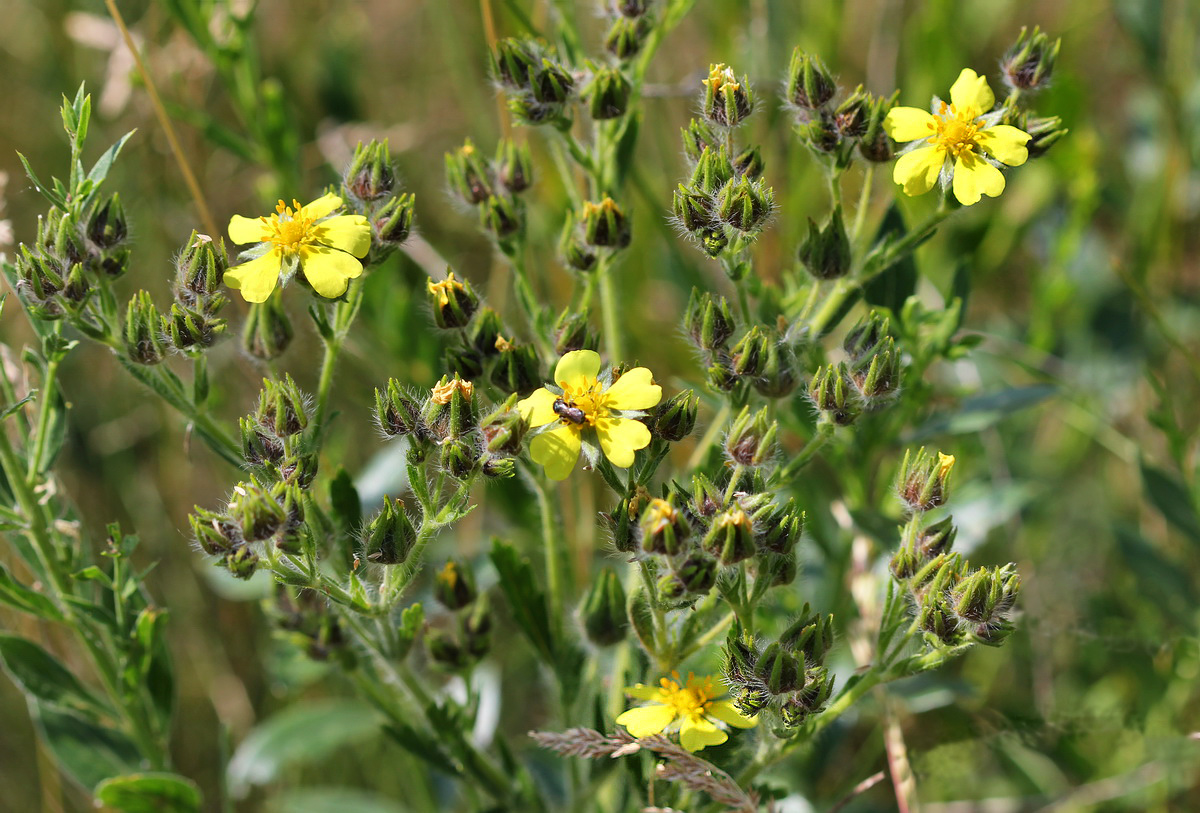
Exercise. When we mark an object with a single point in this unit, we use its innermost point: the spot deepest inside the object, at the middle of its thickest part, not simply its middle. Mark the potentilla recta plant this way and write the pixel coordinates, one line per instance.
(673, 630)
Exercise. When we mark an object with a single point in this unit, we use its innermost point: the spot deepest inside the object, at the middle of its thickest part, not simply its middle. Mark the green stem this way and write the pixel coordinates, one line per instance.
(608, 309)
(824, 433)
(344, 315)
(557, 564)
(49, 385)
(864, 200)
(660, 620)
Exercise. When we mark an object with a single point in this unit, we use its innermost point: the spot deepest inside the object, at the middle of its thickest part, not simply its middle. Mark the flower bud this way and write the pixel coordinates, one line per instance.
(938, 623)
(517, 370)
(986, 596)
(292, 538)
(573, 332)
(258, 447)
(369, 175)
(751, 438)
(512, 62)
(397, 412)
(257, 514)
(632, 8)
(712, 172)
(390, 535)
(514, 165)
(604, 616)
(866, 336)
(780, 526)
(877, 377)
(299, 469)
(850, 116)
(626, 36)
(740, 657)
(188, 329)
(1029, 63)
(485, 333)
(282, 408)
(392, 223)
(747, 354)
(452, 301)
(114, 262)
(697, 137)
(708, 320)
(468, 174)
(550, 83)
(675, 419)
(697, 574)
(605, 225)
(77, 287)
(498, 468)
(726, 101)
(576, 253)
(215, 533)
(874, 144)
(809, 84)
(445, 651)
(731, 537)
(935, 577)
(454, 585)
(501, 215)
(826, 251)
(832, 395)
(779, 670)
(802, 704)
(925, 480)
(143, 330)
(107, 227)
(504, 429)
(749, 163)
(663, 529)
(713, 242)
(458, 457)
(745, 205)
(607, 94)
(476, 627)
(820, 132)
(692, 209)
(937, 538)
(1044, 132)
(810, 635)
(750, 701)
(39, 278)
(777, 369)
(778, 569)
(242, 562)
(268, 331)
(450, 410)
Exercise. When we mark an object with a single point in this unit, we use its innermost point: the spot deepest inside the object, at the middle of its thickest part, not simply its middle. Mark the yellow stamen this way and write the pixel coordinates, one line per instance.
(957, 130)
(442, 393)
(289, 229)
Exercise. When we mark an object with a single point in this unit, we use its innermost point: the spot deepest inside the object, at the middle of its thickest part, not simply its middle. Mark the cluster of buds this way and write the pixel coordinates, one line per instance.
(446, 428)
(836, 127)
(725, 199)
(787, 678)
(454, 588)
(70, 257)
(368, 185)
(693, 537)
(868, 380)
(537, 84)
(273, 441)
(599, 226)
(629, 25)
(762, 358)
(492, 186)
(304, 619)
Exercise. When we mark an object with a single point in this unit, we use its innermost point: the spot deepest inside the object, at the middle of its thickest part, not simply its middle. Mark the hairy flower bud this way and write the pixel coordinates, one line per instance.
(369, 176)
(663, 529)
(453, 301)
(607, 94)
(450, 410)
(512, 61)
(268, 331)
(877, 377)
(501, 215)
(745, 205)
(924, 482)
(712, 172)
(874, 144)
(241, 562)
(1029, 63)
(811, 635)
(825, 252)
(708, 320)
(809, 83)
(551, 83)
(215, 533)
(281, 407)
(143, 331)
(866, 336)
(605, 225)
(622, 523)
(779, 671)
(190, 329)
(513, 165)
(751, 438)
(468, 174)
(1044, 132)
(697, 137)
(626, 36)
(749, 163)
(850, 116)
(517, 369)
(833, 395)
(454, 585)
(504, 429)
(397, 412)
(390, 535)
(107, 227)
(605, 619)
(780, 526)
(726, 101)
(675, 418)
(731, 537)
(692, 209)
(476, 628)
(392, 222)
(255, 511)
(573, 332)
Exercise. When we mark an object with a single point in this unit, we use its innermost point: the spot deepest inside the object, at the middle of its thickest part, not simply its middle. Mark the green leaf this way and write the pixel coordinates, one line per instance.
(1159, 576)
(17, 595)
(345, 502)
(149, 793)
(56, 199)
(100, 169)
(11, 409)
(525, 598)
(298, 735)
(1172, 499)
(332, 800)
(895, 283)
(86, 750)
(42, 676)
(423, 746)
(980, 412)
(641, 618)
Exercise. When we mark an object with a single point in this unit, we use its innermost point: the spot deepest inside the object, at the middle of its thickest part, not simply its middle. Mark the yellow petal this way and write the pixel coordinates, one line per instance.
(350, 233)
(538, 408)
(620, 438)
(970, 91)
(244, 230)
(257, 278)
(328, 270)
(647, 720)
(909, 124)
(917, 171)
(556, 450)
(321, 207)
(727, 713)
(1005, 143)
(644, 692)
(975, 177)
(577, 369)
(697, 732)
(634, 390)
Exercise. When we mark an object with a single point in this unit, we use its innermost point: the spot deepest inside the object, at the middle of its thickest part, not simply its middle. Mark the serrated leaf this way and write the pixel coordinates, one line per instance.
(86, 750)
(1172, 499)
(298, 735)
(149, 793)
(42, 676)
(525, 598)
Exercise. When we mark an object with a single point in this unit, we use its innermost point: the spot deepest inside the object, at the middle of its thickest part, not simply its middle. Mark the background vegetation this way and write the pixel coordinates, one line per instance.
(1085, 285)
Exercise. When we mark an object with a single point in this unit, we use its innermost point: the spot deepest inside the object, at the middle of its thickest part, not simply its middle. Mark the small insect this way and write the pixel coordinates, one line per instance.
(572, 414)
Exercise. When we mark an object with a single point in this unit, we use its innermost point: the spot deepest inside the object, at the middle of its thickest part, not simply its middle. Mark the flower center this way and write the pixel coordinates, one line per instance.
(289, 228)
(695, 698)
(589, 400)
(956, 130)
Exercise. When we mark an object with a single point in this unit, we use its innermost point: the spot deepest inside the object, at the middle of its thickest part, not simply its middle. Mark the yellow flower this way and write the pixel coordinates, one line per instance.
(962, 141)
(584, 402)
(690, 710)
(326, 249)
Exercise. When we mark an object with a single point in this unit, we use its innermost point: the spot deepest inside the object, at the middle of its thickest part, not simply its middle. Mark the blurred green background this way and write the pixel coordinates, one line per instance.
(1086, 278)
